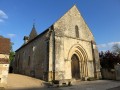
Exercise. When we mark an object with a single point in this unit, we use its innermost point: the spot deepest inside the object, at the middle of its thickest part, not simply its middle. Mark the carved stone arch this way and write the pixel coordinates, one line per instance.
(78, 50)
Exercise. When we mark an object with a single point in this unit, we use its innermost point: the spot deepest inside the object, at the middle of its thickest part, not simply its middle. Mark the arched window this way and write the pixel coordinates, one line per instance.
(77, 31)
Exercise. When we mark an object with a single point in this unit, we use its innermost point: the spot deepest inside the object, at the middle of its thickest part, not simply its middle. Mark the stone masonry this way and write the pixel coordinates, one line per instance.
(65, 51)
(4, 59)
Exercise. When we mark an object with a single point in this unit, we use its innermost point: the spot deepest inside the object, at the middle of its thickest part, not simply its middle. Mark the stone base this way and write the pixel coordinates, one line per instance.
(2, 86)
(98, 74)
(62, 82)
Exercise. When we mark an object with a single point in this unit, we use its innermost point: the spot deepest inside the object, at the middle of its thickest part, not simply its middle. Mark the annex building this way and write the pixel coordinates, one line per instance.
(4, 59)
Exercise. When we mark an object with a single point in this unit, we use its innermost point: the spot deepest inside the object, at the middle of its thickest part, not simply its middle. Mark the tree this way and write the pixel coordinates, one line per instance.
(11, 57)
(12, 53)
(116, 48)
(109, 59)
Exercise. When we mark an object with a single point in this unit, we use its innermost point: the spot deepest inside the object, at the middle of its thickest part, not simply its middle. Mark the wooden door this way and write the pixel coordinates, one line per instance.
(75, 67)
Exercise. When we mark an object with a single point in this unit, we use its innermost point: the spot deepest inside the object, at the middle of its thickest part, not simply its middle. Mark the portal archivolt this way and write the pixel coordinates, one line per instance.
(78, 57)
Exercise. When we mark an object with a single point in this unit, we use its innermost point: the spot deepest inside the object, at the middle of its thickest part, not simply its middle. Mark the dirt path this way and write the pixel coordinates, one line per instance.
(21, 82)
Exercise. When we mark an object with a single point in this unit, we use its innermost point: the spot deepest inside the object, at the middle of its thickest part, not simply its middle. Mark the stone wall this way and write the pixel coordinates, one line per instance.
(96, 62)
(4, 59)
(4, 56)
(4, 68)
(65, 26)
(117, 71)
(62, 61)
(112, 74)
(108, 74)
(4, 73)
(65, 39)
(32, 58)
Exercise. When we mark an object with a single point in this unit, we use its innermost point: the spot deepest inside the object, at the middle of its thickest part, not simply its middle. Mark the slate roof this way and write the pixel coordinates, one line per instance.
(33, 39)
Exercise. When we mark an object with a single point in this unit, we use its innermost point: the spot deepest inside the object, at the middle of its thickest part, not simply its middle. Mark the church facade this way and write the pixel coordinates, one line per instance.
(65, 51)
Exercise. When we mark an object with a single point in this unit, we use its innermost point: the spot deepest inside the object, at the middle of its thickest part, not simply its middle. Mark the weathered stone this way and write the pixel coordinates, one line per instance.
(4, 60)
(65, 51)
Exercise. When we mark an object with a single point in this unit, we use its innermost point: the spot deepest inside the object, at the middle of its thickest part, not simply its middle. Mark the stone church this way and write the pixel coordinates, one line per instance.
(65, 51)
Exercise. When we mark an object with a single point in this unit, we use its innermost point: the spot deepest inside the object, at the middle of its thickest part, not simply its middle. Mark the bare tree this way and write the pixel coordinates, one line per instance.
(116, 48)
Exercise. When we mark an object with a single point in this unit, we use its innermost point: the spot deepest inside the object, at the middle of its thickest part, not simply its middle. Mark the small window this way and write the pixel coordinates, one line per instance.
(18, 61)
(29, 61)
(77, 31)
(33, 48)
(23, 53)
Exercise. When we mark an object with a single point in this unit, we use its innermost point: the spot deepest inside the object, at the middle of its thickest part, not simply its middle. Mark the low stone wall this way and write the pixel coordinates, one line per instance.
(4, 73)
(108, 74)
(117, 71)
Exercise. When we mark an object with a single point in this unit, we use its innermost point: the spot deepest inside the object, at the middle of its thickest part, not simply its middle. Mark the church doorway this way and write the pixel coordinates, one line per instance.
(75, 67)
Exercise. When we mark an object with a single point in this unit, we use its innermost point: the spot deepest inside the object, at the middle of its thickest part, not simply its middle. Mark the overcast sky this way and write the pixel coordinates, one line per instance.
(18, 16)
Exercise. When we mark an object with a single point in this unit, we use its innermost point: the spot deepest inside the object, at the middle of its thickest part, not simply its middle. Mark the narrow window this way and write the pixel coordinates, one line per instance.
(33, 48)
(47, 44)
(23, 53)
(77, 31)
(29, 61)
(18, 61)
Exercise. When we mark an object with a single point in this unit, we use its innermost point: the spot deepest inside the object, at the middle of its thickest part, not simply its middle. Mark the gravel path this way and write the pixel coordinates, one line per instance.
(21, 82)
(16, 81)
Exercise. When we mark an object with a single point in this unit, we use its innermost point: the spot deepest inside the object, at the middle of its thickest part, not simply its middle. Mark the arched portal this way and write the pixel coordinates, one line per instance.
(75, 67)
(78, 57)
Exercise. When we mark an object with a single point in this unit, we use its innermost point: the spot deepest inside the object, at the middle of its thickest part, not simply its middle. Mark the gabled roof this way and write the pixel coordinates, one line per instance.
(33, 39)
(33, 35)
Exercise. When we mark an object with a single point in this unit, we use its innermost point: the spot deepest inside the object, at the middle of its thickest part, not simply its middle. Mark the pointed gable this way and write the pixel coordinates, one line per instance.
(33, 33)
(67, 23)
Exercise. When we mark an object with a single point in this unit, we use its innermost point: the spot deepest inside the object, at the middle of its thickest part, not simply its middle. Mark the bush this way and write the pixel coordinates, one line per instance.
(109, 59)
